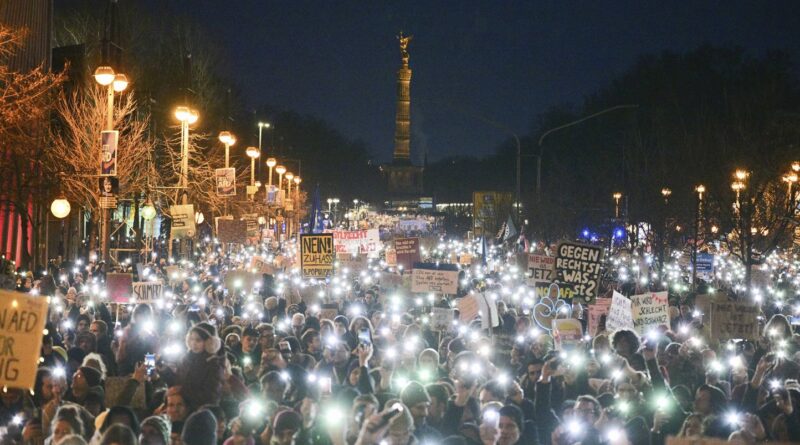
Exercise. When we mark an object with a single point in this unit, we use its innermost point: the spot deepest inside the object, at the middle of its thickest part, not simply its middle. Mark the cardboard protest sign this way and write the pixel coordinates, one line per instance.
(259, 264)
(118, 286)
(619, 315)
(490, 318)
(182, 221)
(650, 311)
(231, 231)
(354, 263)
(316, 255)
(391, 281)
(147, 291)
(357, 241)
(541, 267)
(567, 333)
(226, 181)
(407, 252)
(578, 267)
(468, 308)
(734, 320)
(174, 274)
(442, 319)
(22, 320)
(600, 307)
(427, 277)
(391, 257)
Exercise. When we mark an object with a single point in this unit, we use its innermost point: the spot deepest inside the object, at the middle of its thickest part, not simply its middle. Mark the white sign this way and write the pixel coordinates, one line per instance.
(649, 311)
(182, 221)
(147, 291)
(357, 242)
(542, 267)
(438, 281)
(442, 319)
(619, 315)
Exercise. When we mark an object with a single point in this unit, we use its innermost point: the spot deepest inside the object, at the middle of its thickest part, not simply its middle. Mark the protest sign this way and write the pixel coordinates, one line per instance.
(354, 263)
(705, 266)
(316, 255)
(226, 181)
(118, 286)
(487, 309)
(541, 267)
(391, 257)
(578, 268)
(545, 288)
(442, 319)
(241, 280)
(649, 311)
(174, 275)
(734, 320)
(22, 320)
(251, 220)
(600, 307)
(390, 281)
(108, 188)
(147, 291)
(109, 140)
(182, 221)
(567, 333)
(231, 231)
(407, 252)
(259, 264)
(468, 308)
(357, 241)
(619, 314)
(427, 277)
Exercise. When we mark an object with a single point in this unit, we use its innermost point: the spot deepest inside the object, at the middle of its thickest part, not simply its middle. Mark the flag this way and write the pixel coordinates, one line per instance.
(511, 231)
(316, 222)
(483, 250)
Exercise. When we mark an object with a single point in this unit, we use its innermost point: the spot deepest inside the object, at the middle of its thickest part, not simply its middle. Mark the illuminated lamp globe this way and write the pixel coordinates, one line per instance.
(148, 211)
(280, 169)
(193, 116)
(252, 152)
(120, 82)
(104, 75)
(182, 114)
(289, 176)
(60, 207)
(297, 180)
(271, 162)
(225, 137)
(199, 218)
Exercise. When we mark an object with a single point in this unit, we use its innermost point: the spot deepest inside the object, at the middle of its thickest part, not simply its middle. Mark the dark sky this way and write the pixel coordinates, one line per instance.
(506, 61)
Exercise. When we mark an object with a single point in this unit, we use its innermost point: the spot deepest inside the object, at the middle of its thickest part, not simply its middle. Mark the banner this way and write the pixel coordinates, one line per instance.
(316, 255)
(357, 241)
(429, 278)
(118, 287)
(147, 291)
(442, 319)
(109, 140)
(734, 320)
(650, 311)
(22, 320)
(600, 307)
(226, 181)
(567, 333)
(182, 221)
(108, 188)
(619, 315)
(541, 267)
(407, 252)
(578, 268)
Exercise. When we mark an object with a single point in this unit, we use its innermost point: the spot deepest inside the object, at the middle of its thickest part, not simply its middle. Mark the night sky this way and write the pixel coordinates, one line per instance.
(506, 61)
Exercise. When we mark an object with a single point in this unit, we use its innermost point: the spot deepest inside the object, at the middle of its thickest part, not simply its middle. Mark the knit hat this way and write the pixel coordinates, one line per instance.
(161, 424)
(208, 333)
(200, 429)
(92, 376)
(513, 413)
(287, 420)
(413, 394)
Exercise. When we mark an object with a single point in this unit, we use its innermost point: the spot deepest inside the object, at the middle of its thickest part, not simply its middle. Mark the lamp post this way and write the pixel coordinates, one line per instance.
(700, 189)
(253, 154)
(297, 181)
(228, 139)
(617, 196)
(280, 170)
(115, 82)
(790, 179)
(289, 177)
(148, 213)
(666, 193)
(271, 162)
(187, 116)
(261, 126)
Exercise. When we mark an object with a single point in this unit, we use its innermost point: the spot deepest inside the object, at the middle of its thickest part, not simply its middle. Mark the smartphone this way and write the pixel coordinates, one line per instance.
(325, 386)
(285, 347)
(387, 416)
(364, 337)
(491, 418)
(150, 363)
(795, 320)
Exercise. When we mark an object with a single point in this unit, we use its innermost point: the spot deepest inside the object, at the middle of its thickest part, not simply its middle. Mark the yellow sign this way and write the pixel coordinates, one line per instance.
(22, 319)
(316, 255)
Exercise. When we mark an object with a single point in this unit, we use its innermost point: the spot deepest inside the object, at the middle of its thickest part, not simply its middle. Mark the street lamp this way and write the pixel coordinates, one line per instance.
(666, 193)
(796, 166)
(297, 181)
(617, 196)
(148, 211)
(253, 153)
(60, 207)
(187, 116)
(289, 177)
(228, 139)
(280, 170)
(271, 162)
(261, 126)
(790, 178)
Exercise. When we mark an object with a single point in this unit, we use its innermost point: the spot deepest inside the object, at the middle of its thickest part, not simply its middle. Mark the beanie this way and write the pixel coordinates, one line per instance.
(413, 394)
(200, 429)
(287, 420)
(92, 376)
(513, 413)
(161, 424)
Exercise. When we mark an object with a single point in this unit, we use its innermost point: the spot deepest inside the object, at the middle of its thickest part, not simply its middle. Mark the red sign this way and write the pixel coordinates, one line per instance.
(119, 287)
(407, 251)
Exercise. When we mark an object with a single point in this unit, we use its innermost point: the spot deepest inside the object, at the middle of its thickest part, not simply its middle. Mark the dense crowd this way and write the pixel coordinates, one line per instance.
(212, 363)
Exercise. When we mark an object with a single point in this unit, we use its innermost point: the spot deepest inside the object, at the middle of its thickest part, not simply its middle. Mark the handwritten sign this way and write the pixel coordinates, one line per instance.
(600, 307)
(734, 320)
(354, 263)
(442, 319)
(259, 264)
(433, 279)
(578, 268)
(619, 315)
(468, 308)
(407, 252)
(226, 181)
(22, 319)
(147, 291)
(541, 267)
(118, 286)
(329, 311)
(316, 255)
(650, 311)
(357, 241)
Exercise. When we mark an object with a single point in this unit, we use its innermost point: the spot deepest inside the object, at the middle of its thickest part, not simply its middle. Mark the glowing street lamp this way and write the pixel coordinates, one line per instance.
(261, 126)
(228, 139)
(617, 196)
(271, 162)
(148, 211)
(297, 181)
(253, 153)
(186, 116)
(700, 189)
(289, 177)
(796, 166)
(60, 207)
(280, 170)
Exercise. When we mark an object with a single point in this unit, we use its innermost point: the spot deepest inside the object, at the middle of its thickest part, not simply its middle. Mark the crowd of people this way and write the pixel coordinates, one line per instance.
(354, 362)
